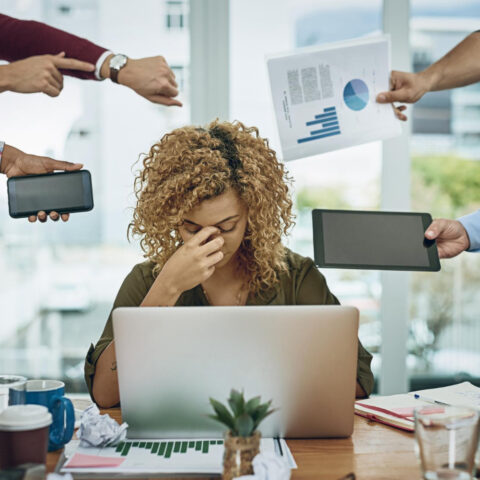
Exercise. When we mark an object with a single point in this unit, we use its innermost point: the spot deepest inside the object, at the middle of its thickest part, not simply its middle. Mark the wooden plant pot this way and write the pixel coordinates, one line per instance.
(239, 454)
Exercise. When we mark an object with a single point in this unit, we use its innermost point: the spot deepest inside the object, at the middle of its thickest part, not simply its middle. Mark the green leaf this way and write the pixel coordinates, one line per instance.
(252, 405)
(245, 425)
(223, 414)
(236, 402)
(262, 417)
(260, 411)
(217, 419)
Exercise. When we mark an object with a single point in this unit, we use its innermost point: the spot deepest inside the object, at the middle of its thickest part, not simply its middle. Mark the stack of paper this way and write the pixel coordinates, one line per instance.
(394, 410)
(397, 410)
(158, 456)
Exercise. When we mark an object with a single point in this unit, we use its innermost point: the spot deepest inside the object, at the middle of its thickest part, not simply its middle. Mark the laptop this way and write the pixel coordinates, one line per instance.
(172, 359)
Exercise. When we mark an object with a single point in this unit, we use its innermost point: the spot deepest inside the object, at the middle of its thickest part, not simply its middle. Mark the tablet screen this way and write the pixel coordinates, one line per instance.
(383, 240)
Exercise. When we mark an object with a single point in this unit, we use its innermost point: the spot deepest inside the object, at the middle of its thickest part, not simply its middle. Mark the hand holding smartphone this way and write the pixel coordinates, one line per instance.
(62, 192)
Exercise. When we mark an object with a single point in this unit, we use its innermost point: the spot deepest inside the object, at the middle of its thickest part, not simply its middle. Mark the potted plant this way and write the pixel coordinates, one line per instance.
(242, 439)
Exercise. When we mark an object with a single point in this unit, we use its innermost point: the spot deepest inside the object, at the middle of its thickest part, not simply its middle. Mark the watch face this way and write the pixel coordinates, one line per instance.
(118, 61)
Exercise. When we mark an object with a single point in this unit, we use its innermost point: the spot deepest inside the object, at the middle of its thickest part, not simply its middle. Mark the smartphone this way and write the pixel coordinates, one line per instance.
(62, 192)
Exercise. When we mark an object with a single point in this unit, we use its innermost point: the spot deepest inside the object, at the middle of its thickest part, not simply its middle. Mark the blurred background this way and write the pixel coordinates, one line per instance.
(58, 281)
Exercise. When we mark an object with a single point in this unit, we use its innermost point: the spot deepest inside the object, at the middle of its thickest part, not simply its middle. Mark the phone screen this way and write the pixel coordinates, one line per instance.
(62, 192)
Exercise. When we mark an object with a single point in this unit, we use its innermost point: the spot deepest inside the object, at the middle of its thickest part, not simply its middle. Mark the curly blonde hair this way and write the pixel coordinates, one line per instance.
(192, 164)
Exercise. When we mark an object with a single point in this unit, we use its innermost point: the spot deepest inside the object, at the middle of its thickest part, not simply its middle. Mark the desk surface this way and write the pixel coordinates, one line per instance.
(373, 452)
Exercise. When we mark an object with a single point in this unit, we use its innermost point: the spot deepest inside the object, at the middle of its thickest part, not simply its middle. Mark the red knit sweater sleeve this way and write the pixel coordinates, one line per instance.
(25, 38)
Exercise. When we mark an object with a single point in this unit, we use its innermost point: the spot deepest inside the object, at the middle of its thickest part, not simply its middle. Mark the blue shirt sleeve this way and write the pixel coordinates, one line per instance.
(471, 223)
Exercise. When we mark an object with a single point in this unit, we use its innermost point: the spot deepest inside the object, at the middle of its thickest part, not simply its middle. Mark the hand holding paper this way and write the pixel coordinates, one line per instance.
(324, 98)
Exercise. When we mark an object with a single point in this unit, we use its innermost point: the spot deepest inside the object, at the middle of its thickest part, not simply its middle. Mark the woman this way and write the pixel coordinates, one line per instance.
(212, 206)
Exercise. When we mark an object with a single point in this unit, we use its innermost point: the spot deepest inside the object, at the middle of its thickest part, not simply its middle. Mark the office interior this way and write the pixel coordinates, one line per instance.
(59, 281)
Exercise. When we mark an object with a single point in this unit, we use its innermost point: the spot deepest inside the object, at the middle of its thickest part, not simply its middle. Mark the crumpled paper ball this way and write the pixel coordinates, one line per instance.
(97, 430)
(268, 466)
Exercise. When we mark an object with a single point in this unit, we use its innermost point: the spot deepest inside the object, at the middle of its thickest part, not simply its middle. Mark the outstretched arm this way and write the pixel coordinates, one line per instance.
(21, 39)
(459, 67)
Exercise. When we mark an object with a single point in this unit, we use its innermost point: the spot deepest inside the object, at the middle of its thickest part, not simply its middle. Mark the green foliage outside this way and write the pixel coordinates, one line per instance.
(309, 198)
(446, 186)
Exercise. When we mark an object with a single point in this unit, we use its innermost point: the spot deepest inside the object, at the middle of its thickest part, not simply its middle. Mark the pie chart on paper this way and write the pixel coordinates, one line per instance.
(356, 94)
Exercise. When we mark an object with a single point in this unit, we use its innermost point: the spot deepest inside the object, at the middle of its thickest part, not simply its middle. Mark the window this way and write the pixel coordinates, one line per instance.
(444, 331)
(347, 178)
(176, 14)
(180, 76)
(59, 281)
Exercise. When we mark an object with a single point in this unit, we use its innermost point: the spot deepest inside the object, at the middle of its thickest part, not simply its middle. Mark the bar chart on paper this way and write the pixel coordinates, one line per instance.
(323, 125)
(156, 456)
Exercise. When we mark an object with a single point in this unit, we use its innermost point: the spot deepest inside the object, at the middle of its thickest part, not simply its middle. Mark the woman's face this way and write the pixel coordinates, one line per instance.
(228, 213)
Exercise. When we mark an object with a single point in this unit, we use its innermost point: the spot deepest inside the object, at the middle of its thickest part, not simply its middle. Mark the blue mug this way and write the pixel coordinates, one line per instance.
(50, 394)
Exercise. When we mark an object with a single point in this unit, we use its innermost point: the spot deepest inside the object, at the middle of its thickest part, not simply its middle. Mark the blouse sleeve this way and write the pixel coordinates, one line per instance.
(131, 294)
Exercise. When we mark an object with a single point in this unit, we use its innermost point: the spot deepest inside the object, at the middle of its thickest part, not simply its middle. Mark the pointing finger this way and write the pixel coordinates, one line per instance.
(73, 64)
(163, 100)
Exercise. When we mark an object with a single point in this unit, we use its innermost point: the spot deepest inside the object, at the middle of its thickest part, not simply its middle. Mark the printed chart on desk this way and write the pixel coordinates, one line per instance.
(162, 456)
(324, 98)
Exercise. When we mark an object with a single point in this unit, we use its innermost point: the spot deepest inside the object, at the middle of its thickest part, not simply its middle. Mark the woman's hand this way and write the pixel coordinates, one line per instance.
(190, 265)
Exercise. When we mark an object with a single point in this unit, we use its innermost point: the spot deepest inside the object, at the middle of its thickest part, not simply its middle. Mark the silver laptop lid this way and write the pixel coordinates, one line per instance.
(172, 359)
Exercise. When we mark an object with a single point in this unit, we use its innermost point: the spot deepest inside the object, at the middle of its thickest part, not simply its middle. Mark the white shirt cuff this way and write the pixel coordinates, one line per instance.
(99, 64)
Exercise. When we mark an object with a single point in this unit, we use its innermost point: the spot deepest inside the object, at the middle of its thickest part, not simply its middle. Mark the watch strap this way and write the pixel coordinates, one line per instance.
(114, 74)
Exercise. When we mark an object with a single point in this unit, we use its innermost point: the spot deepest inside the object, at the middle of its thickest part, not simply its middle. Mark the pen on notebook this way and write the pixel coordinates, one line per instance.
(429, 400)
(279, 444)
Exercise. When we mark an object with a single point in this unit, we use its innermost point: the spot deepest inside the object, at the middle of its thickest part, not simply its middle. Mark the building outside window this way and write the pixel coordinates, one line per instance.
(176, 14)
(444, 327)
(59, 280)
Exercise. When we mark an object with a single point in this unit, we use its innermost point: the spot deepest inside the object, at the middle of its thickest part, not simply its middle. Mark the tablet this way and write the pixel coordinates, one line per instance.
(373, 240)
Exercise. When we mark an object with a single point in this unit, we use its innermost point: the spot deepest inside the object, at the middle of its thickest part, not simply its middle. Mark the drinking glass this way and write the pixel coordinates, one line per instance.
(446, 441)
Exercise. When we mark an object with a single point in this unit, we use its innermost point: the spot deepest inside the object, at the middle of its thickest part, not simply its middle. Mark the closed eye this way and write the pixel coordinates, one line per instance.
(227, 228)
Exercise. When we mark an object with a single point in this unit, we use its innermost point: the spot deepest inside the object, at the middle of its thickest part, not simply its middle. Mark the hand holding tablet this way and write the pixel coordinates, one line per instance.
(373, 240)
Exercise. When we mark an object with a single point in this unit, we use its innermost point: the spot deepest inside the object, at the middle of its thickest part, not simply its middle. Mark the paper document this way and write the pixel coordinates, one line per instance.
(324, 97)
(397, 410)
(461, 395)
(157, 456)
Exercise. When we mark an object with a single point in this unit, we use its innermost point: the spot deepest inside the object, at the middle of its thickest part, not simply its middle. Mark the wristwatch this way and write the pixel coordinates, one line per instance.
(117, 62)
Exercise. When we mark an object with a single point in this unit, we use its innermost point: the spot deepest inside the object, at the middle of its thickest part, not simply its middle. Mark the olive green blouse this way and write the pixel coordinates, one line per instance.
(302, 284)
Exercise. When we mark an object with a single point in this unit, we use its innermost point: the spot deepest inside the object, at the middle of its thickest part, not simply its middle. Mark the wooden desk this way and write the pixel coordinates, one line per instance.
(373, 452)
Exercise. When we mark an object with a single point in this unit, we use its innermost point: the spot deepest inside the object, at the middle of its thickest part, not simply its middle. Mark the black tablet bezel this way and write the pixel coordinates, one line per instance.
(87, 194)
(319, 247)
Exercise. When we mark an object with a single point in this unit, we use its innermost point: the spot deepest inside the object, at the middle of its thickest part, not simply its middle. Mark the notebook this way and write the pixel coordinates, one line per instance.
(397, 410)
